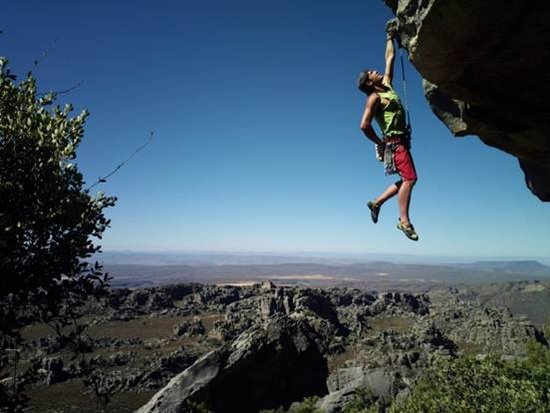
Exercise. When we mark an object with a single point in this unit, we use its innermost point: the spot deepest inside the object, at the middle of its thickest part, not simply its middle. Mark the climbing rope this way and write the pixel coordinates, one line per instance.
(405, 98)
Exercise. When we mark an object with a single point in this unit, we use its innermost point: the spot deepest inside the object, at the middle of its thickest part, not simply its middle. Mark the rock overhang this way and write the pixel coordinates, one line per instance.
(484, 73)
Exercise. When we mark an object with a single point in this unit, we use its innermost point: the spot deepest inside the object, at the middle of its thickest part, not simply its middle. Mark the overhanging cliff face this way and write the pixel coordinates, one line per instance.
(486, 72)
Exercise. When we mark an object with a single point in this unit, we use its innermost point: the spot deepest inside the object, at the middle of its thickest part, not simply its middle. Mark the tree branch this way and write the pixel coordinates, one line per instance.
(114, 171)
(44, 54)
(61, 92)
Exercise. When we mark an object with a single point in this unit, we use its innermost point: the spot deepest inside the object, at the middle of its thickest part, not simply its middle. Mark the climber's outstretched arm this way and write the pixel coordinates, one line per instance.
(390, 57)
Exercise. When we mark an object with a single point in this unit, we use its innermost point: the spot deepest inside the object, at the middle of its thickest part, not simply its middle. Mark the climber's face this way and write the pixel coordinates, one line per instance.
(375, 77)
(368, 79)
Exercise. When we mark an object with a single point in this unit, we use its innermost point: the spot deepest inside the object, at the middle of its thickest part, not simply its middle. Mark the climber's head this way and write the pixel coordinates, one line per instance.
(368, 80)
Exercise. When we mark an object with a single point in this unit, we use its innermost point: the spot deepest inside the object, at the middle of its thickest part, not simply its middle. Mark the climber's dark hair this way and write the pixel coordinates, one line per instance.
(362, 82)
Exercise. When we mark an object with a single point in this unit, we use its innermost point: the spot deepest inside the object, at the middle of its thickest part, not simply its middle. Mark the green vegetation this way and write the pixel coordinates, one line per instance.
(466, 384)
(48, 222)
(306, 406)
(362, 403)
(196, 407)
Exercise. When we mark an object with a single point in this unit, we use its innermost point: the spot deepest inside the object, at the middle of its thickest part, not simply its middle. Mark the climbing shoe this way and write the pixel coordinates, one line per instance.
(408, 230)
(374, 211)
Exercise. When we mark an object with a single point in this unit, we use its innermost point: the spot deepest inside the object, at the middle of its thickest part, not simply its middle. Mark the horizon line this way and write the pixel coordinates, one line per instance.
(331, 254)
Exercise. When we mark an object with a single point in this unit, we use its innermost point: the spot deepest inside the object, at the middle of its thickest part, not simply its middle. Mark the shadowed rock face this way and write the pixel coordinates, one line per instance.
(485, 70)
(265, 367)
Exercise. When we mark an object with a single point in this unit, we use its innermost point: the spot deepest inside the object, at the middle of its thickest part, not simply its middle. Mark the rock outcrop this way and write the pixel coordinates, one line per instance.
(484, 70)
(265, 367)
(190, 328)
(382, 384)
(256, 347)
(474, 326)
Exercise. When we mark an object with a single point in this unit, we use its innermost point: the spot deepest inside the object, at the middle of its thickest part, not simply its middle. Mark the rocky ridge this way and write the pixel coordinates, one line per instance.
(379, 341)
(264, 346)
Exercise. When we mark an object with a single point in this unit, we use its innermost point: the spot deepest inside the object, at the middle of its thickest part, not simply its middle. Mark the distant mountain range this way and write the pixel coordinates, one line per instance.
(247, 258)
(139, 270)
(522, 265)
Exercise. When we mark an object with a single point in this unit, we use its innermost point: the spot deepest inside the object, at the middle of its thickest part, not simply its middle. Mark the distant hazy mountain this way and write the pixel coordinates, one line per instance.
(530, 267)
(378, 275)
(248, 258)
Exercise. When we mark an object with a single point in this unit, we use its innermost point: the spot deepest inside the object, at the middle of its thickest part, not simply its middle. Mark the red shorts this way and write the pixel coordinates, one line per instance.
(404, 163)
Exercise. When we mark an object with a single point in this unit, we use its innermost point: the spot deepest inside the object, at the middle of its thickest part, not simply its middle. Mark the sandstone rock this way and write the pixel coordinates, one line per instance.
(221, 331)
(267, 285)
(120, 358)
(53, 367)
(190, 328)
(473, 326)
(317, 302)
(160, 370)
(265, 367)
(272, 304)
(381, 384)
(484, 66)
(380, 341)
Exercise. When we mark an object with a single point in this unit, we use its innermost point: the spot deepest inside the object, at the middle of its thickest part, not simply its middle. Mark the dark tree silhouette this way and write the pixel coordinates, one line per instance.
(49, 222)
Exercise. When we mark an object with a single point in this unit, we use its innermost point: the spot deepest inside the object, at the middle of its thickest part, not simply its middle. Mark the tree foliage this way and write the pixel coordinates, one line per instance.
(48, 221)
(493, 384)
(363, 402)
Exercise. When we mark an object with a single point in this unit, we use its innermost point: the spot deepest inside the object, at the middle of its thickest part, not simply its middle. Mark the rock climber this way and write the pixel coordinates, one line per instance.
(393, 147)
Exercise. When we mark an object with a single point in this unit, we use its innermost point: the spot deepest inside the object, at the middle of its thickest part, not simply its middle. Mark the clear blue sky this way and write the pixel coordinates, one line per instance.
(256, 117)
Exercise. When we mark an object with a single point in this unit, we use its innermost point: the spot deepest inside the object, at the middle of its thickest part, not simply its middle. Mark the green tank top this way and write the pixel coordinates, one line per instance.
(391, 118)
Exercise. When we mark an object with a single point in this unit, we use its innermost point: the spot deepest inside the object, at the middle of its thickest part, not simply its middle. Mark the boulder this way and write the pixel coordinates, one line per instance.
(380, 384)
(191, 328)
(265, 367)
(485, 73)
(267, 285)
(55, 373)
(319, 303)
